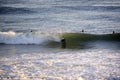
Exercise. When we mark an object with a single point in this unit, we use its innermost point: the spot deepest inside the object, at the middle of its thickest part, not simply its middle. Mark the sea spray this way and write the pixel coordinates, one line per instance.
(27, 37)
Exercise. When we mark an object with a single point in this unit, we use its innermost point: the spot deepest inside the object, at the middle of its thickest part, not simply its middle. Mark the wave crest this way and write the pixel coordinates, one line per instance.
(27, 38)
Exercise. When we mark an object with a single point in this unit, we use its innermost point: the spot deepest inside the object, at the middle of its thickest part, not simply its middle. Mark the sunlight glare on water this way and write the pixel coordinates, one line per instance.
(64, 65)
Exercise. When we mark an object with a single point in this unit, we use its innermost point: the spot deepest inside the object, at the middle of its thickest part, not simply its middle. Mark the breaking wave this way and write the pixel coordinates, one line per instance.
(27, 38)
(73, 40)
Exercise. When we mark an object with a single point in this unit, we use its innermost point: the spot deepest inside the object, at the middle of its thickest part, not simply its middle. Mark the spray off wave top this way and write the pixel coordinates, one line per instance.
(27, 37)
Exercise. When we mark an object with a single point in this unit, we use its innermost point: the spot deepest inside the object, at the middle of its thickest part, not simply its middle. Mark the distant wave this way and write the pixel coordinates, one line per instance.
(27, 38)
(13, 10)
(89, 8)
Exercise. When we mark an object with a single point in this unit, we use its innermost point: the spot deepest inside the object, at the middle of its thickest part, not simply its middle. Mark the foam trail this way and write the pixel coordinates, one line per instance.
(26, 38)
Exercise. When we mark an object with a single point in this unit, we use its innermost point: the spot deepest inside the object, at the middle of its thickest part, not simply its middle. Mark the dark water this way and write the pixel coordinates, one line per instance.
(93, 16)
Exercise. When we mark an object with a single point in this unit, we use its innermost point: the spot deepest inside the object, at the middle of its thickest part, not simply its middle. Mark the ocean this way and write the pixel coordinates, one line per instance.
(31, 32)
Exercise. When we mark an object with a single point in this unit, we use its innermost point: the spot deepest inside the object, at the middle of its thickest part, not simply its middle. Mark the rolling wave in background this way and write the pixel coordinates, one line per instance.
(12, 10)
(94, 16)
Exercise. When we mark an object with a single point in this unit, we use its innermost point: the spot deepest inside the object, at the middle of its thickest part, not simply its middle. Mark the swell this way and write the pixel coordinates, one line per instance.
(92, 8)
(13, 10)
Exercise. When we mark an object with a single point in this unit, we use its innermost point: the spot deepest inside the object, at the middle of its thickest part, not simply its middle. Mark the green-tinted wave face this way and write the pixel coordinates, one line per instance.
(81, 37)
(77, 40)
(83, 41)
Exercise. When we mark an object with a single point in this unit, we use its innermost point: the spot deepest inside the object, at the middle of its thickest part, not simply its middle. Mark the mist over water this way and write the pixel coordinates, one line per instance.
(30, 34)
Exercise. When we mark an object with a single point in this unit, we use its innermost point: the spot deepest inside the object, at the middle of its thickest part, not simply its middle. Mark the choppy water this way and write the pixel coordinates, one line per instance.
(23, 62)
(94, 16)
(37, 55)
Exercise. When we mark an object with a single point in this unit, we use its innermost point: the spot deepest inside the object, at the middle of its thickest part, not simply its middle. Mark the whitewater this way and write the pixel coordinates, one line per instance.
(25, 62)
(27, 38)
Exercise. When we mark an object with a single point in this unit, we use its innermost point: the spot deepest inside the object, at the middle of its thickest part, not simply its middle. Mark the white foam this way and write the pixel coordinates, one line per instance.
(26, 38)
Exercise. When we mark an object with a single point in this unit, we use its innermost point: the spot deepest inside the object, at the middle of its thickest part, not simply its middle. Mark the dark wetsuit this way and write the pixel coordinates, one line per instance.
(63, 43)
